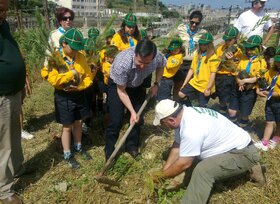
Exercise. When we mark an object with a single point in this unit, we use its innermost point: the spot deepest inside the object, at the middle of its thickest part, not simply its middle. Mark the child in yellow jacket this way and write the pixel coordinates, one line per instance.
(174, 61)
(243, 96)
(70, 76)
(230, 55)
(200, 80)
(272, 107)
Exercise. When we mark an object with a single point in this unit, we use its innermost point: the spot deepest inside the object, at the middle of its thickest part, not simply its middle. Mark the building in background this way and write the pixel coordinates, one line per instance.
(83, 7)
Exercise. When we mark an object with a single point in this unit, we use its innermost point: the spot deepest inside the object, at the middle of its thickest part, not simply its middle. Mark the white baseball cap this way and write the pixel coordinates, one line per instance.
(164, 109)
(258, 0)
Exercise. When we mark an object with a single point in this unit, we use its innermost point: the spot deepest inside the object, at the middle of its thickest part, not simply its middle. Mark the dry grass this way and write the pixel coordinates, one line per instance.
(45, 153)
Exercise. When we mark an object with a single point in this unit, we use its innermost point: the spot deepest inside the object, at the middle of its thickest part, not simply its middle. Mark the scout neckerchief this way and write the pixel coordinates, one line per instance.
(199, 62)
(272, 85)
(248, 67)
(167, 55)
(130, 40)
(71, 64)
(191, 41)
(61, 30)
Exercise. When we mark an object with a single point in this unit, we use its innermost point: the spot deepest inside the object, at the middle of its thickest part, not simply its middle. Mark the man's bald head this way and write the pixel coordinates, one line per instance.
(4, 4)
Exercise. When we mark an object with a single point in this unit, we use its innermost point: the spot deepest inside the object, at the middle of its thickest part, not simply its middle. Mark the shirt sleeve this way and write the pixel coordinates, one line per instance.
(213, 64)
(87, 76)
(161, 60)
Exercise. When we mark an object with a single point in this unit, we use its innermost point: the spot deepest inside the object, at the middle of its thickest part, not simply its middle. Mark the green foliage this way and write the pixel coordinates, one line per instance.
(34, 43)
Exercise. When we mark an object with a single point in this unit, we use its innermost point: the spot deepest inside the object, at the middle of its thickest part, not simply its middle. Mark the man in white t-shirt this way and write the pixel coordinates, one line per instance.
(222, 148)
(255, 21)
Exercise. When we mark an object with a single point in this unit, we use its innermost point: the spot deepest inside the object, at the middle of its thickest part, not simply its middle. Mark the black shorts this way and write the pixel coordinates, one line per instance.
(243, 101)
(182, 72)
(224, 84)
(70, 107)
(272, 110)
(194, 94)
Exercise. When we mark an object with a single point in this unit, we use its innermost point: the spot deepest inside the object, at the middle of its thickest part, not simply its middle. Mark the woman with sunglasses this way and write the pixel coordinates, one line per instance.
(190, 33)
(64, 21)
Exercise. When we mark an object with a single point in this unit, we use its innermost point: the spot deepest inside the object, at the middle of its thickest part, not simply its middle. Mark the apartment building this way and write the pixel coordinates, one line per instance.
(83, 7)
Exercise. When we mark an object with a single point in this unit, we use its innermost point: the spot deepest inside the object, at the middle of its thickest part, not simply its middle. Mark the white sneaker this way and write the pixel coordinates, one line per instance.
(261, 146)
(26, 135)
(272, 144)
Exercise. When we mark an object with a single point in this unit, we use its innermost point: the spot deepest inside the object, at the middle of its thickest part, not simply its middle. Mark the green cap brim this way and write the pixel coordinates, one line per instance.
(204, 42)
(249, 45)
(76, 46)
(225, 37)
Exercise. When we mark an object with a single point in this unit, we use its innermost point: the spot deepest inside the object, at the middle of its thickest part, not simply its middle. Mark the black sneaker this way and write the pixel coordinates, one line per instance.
(72, 162)
(84, 154)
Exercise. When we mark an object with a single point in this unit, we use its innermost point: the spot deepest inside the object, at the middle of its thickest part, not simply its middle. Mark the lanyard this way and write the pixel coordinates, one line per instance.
(61, 30)
(130, 40)
(199, 62)
(191, 41)
(66, 59)
(272, 85)
(248, 67)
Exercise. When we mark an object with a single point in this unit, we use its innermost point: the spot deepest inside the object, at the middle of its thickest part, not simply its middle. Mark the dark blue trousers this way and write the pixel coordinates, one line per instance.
(116, 112)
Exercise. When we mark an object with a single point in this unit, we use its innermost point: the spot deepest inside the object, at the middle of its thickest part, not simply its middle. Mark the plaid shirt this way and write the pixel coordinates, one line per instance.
(124, 72)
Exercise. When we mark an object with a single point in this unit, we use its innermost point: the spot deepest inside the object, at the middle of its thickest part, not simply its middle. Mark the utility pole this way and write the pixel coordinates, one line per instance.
(47, 14)
(157, 7)
(134, 6)
(229, 14)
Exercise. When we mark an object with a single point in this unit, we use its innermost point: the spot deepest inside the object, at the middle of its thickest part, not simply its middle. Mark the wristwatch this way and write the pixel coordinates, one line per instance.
(156, 83)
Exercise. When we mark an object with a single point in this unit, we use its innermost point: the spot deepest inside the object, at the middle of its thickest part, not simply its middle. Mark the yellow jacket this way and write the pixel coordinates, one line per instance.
(106, 71)
(257, 66)
(201, 81)
(220, 51)
(60, 80)
(173, 64)
(269, 75)
(117, 41)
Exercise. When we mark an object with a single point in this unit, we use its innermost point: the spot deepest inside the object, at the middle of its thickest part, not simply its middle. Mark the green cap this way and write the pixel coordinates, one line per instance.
(174, 44)
(130, 20)
(74, 38)
(230, 33)
(93, 32)
(253, 41)
(277, 58)
(110, 32)
(277, 51)
(206, 38)
(89, 44)
(143, 33)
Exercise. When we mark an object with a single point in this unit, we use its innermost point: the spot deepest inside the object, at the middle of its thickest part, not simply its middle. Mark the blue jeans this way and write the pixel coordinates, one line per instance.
(165, 89)
(116, 114)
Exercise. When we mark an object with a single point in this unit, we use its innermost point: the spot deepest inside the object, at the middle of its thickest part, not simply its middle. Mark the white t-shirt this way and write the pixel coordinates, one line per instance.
(247, 21)
(204, 132)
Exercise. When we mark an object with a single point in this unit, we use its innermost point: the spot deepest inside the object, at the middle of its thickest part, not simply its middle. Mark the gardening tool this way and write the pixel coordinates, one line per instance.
(103, 179)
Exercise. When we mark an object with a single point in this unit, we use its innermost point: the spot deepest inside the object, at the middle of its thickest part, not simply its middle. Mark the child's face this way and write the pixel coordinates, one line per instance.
(110, 59)
(251, 51)
(68, 51)
(129, 29)
(175, 51)
(229, 42)
(203, 47)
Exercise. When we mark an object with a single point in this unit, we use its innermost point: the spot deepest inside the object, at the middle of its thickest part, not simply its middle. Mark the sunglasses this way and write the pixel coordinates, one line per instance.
(65, 18)
(194, 22)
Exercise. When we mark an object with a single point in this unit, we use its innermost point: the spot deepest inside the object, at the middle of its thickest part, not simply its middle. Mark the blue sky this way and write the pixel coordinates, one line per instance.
(218, 3)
